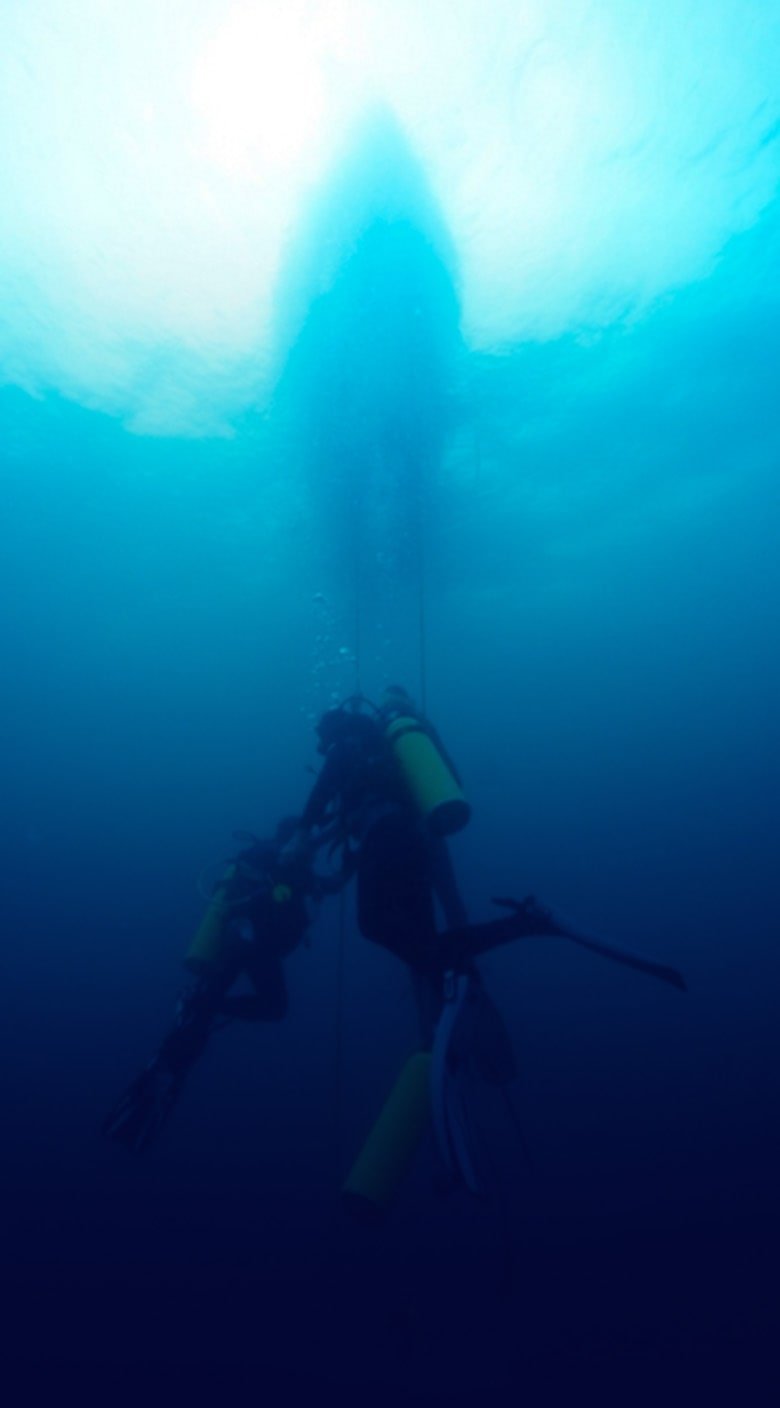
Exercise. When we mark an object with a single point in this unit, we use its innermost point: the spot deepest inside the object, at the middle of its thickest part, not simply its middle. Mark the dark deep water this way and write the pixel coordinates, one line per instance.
(600, 527)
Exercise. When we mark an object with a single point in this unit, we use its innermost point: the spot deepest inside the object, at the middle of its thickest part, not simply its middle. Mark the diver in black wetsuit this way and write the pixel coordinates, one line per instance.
(374, 808)
(403, 868)
(258, 915)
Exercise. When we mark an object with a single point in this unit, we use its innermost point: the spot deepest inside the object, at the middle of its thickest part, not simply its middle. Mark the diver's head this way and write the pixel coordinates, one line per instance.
(345, 720)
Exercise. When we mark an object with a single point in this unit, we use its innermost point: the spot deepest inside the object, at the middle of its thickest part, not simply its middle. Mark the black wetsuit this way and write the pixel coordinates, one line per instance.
(399, 866)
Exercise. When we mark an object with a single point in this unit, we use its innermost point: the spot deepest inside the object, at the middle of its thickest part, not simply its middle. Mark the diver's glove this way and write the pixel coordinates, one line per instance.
(144, 1108)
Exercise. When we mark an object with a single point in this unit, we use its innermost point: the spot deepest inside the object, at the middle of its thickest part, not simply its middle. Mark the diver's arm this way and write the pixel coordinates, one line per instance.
(196, 1009)
(137, 1117)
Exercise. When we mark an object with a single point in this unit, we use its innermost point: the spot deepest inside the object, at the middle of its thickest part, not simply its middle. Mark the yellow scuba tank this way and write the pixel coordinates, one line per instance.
(211, 943)
(379, 1168)
(427, 772)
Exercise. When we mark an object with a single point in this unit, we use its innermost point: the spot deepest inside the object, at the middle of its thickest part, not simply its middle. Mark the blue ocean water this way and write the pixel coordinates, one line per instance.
(563, 539)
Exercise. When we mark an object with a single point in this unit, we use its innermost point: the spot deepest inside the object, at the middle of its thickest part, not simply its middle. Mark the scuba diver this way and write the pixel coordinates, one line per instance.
(390, 795)
(257, 915)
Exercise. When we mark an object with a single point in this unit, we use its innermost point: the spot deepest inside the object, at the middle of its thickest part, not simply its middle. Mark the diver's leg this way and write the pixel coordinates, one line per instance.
(195, 1011)
(145, 1106)
(458, 946)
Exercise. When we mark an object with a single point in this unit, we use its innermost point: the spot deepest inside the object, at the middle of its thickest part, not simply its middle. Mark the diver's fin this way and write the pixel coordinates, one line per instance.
(662, 971)
(536, 921)
(144, 1107)
(450, 1119)
(480, 1044)
(531, 920)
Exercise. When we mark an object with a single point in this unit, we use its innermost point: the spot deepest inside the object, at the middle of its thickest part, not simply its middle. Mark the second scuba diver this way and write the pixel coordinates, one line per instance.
(257, 915)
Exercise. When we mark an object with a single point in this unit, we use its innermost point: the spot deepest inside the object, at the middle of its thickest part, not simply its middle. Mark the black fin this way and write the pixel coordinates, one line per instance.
(527, 920)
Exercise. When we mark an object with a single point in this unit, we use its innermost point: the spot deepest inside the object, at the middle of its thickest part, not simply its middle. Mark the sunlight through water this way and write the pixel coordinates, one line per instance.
(156, 161)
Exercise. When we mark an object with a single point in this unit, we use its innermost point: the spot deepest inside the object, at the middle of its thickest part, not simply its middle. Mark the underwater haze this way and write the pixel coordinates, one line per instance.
(345, 343)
